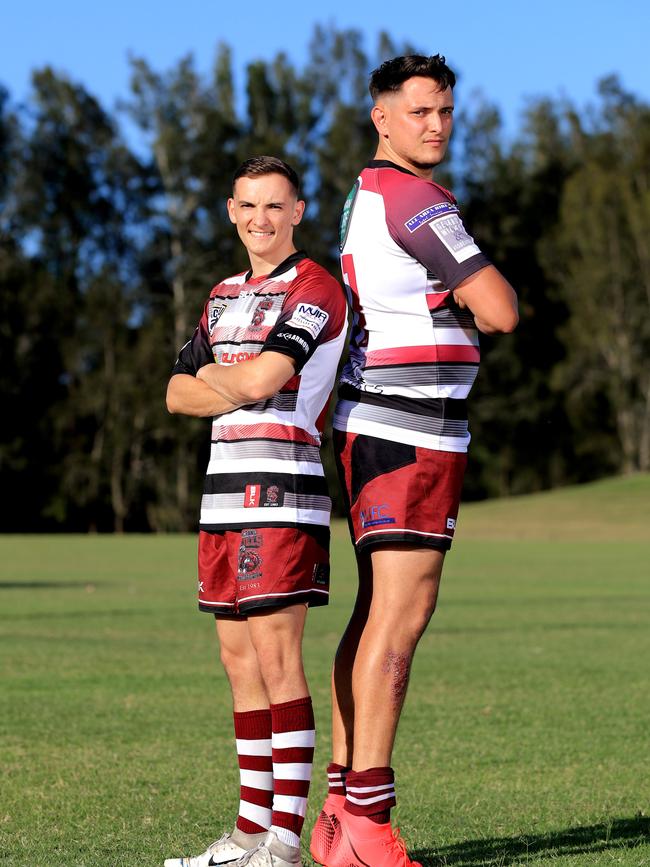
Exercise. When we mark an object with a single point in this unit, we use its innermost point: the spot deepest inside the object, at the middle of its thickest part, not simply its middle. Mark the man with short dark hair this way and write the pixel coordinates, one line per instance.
(262, 362)
(420, 290)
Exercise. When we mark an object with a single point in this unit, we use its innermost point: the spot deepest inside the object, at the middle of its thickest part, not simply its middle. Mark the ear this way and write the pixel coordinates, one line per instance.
(299, 210)
(230, 205)
(379, 117)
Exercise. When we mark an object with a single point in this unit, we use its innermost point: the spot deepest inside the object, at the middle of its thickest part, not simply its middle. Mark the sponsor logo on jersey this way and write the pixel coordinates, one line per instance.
(234, 357)
(215, 309)
(285, 335)
(376, 515)
(310, 318)
(428, 214)
(252, 496)
(452, 233)
(451, 523)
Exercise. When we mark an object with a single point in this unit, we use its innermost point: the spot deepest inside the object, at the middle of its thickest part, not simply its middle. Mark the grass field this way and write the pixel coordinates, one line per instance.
(524, 739)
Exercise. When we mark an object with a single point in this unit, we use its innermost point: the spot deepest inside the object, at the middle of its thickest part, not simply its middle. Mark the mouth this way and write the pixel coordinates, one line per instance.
(261, 234)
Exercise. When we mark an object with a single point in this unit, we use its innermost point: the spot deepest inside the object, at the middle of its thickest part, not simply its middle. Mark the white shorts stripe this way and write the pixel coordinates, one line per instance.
(252, 747)
(256, 779)
(291, 771)
(285, 740)
(290, 804)
(254, 813)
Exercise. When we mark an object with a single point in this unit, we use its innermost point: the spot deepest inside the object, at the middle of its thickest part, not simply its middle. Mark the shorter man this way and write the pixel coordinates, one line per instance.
(276, 334)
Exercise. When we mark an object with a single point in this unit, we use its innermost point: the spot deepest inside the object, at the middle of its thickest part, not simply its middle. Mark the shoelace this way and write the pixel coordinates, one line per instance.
(248, 856)
(397, 845)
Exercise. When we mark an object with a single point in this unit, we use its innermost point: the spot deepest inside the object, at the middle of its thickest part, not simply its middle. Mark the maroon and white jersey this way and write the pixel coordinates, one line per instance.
(414, 353)
(265, 467)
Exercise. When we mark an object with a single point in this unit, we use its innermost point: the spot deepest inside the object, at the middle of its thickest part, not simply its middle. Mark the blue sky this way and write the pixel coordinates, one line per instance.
(510, 49)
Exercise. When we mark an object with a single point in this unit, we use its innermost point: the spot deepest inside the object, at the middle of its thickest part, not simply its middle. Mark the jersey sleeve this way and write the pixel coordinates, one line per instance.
(197, 351)
(314, 312)
(423, 219)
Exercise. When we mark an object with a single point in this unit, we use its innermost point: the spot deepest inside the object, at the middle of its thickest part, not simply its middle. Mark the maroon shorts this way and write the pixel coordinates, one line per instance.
(262, 567)
(397, 492)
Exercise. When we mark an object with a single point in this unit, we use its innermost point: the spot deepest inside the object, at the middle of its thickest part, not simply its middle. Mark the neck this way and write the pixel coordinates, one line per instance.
(263, 265)
(385, 152)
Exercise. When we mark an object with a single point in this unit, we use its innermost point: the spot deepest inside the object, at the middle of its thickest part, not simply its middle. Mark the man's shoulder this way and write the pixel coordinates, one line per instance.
(228, 284)
(308, 268)
(394, 182)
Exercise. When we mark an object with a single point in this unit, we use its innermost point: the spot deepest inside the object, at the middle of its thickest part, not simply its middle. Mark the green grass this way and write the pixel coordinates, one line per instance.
(524, 739)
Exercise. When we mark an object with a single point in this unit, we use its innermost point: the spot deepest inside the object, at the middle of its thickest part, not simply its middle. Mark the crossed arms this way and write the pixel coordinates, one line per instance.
(219, 388)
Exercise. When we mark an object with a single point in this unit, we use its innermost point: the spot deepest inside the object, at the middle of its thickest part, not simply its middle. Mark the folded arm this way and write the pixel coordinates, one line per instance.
(491, 299)
(219, 388)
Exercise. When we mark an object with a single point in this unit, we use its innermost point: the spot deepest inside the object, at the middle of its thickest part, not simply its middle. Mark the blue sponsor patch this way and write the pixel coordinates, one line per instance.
(428, 214)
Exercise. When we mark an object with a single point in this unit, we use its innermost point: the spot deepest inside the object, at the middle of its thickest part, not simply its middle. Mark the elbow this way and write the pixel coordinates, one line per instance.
(509, 323)
(170, 401)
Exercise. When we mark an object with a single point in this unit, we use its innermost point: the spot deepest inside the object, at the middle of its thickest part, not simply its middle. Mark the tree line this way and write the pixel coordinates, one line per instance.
(109, 245)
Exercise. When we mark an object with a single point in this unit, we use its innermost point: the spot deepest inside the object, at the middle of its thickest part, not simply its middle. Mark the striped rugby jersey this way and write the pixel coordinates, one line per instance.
(265, 467)
(414, 353)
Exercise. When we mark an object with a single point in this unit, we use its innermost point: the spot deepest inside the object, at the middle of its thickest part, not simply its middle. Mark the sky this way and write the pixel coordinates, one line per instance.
(510, 50)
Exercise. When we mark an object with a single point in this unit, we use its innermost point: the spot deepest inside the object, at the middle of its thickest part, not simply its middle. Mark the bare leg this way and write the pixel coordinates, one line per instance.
(240, 662)
(398, 589)
(277, 638)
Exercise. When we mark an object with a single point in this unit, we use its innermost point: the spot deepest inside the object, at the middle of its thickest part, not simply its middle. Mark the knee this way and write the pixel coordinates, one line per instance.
(240, 667)
(278, 665)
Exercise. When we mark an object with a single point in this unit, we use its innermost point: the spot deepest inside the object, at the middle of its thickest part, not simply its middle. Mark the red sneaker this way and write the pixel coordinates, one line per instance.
(360, 842)
(326, 827)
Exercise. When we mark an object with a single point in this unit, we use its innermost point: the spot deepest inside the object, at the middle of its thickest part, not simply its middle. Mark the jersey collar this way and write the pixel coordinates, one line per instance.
(288, 263)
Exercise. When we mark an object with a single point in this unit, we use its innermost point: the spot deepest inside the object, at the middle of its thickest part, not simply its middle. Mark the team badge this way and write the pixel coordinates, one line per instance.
(250, 559)
(259, 313)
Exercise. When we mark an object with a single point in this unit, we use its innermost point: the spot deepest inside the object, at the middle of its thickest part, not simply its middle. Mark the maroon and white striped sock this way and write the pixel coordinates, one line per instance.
(293, 741)
(253, 737)
(371, 793)
(336, 775)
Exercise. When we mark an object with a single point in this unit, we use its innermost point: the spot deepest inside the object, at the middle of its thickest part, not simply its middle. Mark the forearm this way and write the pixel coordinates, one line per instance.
(249, 381)
(188, 395)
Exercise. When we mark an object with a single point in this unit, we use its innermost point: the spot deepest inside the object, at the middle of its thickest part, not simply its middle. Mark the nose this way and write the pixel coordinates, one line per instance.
(435, 122)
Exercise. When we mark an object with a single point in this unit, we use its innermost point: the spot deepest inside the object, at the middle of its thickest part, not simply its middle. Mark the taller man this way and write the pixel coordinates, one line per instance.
(420, 290)
(262, 361)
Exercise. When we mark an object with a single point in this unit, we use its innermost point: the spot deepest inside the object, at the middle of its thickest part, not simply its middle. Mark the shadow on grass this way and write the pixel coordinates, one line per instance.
(502, 851)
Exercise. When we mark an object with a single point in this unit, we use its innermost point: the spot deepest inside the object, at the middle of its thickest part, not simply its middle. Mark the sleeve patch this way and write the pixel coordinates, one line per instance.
(428, 214)
(452, 233)
(215, 309)
(309, 318)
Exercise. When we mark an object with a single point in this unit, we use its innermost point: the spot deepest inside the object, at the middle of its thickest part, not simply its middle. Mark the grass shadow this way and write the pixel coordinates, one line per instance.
(503, 851)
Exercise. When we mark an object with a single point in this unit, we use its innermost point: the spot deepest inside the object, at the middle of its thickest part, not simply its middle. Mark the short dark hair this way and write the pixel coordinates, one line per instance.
(391, 75)
(257, 166)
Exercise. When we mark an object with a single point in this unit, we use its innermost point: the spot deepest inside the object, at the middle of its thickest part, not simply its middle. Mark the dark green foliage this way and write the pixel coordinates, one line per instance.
(107, 252)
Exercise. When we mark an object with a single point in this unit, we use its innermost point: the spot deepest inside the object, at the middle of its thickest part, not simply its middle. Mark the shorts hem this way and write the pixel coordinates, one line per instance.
(440, 543)
(313, 600)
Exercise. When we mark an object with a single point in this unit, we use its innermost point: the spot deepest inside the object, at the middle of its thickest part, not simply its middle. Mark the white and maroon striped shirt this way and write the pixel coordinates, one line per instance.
(414, 353)
(265, 467)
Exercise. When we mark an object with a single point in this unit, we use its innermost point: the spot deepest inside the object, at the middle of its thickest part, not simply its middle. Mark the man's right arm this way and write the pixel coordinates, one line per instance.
(491, 299)
(188, 395)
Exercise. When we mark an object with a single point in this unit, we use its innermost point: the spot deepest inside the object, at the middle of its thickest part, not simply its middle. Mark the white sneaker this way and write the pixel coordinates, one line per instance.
(225, 850)
(271, 853)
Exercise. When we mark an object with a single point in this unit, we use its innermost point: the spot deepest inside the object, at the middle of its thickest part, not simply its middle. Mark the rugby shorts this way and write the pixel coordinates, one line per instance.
(262, 567)
(396, 492)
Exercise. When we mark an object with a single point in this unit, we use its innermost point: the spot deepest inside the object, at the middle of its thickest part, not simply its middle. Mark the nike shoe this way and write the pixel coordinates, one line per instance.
(225, 850)
(325, 828)
(271, 853)
(360, 842)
